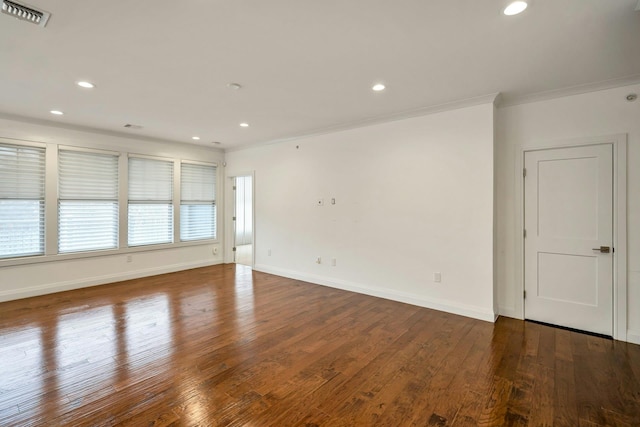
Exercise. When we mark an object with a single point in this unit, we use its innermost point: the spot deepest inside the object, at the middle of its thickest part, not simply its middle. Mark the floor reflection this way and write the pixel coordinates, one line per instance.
(244, 302)
(85, 348)
(61, 359)
(21, 371)
(148, 330)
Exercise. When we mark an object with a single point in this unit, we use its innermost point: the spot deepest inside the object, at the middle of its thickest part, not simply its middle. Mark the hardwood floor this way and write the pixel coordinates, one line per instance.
(227, 346)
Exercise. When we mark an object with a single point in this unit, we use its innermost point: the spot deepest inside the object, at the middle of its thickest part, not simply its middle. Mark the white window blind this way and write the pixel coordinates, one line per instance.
(88, 201)
(150, 201)
(21, 201)
(198, 202)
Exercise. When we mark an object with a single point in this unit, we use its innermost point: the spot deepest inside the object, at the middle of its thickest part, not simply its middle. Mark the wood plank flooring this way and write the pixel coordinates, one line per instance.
(225, 346)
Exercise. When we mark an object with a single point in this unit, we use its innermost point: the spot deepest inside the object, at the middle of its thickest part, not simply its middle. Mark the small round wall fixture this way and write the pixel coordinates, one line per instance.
(632, 97)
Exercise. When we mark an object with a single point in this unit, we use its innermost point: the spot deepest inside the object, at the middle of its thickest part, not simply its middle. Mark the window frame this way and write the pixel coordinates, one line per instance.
(215, 201)
(36, 256)
(175, 217)
(51, 197)
(118, 202)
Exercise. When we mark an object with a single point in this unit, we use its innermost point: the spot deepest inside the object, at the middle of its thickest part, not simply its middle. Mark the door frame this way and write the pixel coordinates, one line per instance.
(619, 144)
(229, 256)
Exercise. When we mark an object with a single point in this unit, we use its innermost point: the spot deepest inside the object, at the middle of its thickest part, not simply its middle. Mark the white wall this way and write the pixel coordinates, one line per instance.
(41, 275)
(534, 124)
(413, 197)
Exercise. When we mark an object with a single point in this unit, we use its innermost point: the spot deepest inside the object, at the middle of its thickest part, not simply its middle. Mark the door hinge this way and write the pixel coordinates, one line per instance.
(524, 172)
(525, 233)
(234, 218)
(234, 188)
(234, 249)
(524, 294)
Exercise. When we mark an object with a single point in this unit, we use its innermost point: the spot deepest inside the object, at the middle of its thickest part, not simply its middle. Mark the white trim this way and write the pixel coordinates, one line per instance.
(123, 195)
(177, 199)
(38, 259)
(633, 337)
(229, 257)
(88, 150)
(21, 142)
(393, 295)
(197, 162)
(572, 90)
(50, 203)
(509, 312)
(492, 98)
(99, 280)
(620, 283)
(619, 143)
(116, 134)
(148, 157)
(228, 224)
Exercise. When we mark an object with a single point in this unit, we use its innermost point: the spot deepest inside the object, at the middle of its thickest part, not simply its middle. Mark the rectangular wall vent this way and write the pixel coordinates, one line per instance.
(25, 13)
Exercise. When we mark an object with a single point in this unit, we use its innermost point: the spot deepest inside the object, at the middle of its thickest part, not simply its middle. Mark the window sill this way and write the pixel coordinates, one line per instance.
(38, 259)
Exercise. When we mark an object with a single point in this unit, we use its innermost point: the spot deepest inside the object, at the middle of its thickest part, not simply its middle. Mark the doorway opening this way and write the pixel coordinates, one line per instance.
(243, 220)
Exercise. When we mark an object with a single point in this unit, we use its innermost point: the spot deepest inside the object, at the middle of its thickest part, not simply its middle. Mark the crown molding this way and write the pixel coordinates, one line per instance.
(492, 98)
(569, 91)
(89, 129)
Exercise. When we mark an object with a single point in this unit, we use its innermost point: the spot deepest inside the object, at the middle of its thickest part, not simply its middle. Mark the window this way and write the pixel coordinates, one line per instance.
(88, 201)
(150, 201)
(21, 201)
(198, 202)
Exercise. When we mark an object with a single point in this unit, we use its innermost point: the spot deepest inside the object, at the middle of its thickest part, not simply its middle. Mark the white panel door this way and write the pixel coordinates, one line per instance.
(568, 217)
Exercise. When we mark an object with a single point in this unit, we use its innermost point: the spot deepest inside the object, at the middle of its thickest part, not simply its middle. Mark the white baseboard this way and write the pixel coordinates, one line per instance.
(510, 312)
(98, 280)
(435, 304)
(633, 336)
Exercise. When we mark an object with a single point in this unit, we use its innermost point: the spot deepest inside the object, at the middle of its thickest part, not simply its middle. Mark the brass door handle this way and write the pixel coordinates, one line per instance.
(603, 249)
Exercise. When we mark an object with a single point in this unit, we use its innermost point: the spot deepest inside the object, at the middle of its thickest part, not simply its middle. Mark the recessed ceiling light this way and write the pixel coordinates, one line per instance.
(515, 8)
(378, 87)
(234, 86)
(195, 138)
(56, 112)
(86, 85)
(244, 125)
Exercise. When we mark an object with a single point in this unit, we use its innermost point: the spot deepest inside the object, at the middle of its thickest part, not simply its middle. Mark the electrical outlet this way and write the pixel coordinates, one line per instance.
(129, 258)
(318, 260)
(268, 252)
(437, 277)
(333, 262)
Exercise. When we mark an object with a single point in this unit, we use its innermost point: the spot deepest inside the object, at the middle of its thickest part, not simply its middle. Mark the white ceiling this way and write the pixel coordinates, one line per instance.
(305, 66)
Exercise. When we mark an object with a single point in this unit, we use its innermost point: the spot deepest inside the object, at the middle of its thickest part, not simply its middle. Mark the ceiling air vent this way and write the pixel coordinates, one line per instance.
(25, 13)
